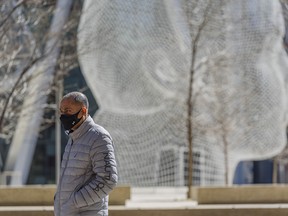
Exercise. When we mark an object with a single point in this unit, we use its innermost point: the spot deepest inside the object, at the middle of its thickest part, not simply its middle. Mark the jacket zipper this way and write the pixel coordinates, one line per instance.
(68, 157)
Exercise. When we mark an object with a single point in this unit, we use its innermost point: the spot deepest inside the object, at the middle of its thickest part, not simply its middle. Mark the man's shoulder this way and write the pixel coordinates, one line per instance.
(98, 131)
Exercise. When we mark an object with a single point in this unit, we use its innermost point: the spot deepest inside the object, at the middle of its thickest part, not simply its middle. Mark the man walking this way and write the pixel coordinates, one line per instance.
(88, 168)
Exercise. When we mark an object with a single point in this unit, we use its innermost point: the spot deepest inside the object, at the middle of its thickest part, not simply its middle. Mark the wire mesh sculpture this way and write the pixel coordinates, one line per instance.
(137, 56)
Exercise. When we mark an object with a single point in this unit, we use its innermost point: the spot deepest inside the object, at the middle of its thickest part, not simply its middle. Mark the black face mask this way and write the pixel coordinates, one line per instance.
(69, 121)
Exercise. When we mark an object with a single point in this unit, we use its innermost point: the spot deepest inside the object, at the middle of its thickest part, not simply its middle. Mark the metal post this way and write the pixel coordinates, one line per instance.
(58, 130)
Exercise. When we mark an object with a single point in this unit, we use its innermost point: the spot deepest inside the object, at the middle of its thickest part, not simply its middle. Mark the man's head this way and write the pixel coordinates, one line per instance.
(74, 110)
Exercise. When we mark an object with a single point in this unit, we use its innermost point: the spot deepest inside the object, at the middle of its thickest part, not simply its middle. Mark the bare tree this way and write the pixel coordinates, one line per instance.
(196, 29)
(21, 50)
(35, 69)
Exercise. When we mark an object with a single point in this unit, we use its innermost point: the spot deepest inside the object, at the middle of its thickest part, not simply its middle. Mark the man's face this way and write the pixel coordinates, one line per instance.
(68, 107)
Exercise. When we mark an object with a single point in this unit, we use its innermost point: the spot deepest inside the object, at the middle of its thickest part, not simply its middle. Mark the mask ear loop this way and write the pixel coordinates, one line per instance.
(78, 112)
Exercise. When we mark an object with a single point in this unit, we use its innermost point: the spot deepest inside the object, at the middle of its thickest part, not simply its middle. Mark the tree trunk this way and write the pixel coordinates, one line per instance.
(226, 161)
(190, 99)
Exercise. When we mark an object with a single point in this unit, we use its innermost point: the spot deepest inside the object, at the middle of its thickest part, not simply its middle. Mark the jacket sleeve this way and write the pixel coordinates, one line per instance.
(105, 173)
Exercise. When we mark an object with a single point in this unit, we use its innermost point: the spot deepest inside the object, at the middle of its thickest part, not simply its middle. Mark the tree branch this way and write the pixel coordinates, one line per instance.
(11, 12)
(24, 71)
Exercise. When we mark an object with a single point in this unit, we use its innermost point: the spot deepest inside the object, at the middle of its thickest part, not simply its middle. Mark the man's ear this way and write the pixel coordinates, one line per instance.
(85, 110)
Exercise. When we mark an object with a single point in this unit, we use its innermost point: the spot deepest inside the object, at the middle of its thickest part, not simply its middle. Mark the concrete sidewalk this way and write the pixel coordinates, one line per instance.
(163, 202)
(201, 210)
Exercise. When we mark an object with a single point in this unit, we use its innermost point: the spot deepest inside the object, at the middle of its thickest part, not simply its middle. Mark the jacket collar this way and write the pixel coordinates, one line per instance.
(82, 129)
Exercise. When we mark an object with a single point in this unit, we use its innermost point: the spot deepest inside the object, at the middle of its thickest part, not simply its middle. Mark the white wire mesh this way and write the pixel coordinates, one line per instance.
(136, 57)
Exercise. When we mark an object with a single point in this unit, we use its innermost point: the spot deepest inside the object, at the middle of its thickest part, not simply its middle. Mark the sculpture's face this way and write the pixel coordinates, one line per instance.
(136, 57)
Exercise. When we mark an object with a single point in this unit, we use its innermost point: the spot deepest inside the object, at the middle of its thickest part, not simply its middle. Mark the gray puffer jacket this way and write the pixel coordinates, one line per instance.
(88, 172)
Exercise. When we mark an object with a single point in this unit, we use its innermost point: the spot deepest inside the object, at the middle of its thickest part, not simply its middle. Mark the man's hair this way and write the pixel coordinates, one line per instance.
(77, 97)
